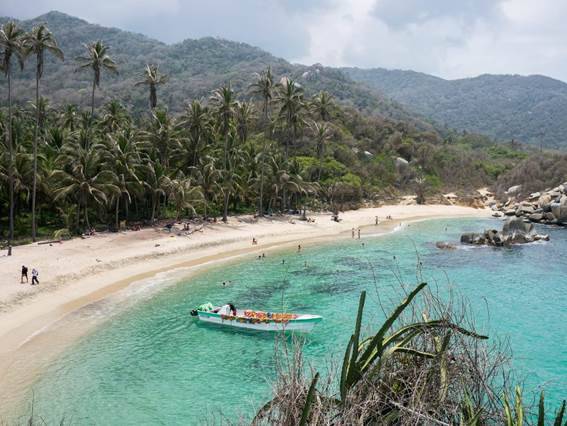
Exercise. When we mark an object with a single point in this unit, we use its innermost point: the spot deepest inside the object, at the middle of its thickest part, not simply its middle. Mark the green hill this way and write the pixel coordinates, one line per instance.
(195, 68)
(528, 109)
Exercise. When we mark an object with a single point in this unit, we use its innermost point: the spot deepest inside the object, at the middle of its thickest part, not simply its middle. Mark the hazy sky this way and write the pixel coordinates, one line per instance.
(448, 38)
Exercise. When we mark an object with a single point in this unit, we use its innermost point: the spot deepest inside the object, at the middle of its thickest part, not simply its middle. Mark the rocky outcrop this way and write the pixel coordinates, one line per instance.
(443, 245)
(514, 231)
(549, 206)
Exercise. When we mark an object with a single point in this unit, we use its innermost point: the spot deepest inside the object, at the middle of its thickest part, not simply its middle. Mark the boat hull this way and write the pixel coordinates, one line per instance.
(304, 324)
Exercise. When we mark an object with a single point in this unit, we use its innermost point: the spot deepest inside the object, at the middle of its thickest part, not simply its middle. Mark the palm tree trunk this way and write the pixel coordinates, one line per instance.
(10, 157)
(153, 208)
(87, 215)
(36, 135)
(92, 99)
(261, 206)
(116, 214)
(225, 211)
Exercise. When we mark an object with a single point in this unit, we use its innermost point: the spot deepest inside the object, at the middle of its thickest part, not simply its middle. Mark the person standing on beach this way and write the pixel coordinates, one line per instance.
(299, 248)
(24, 274)
(359, 233)
(376, 221)
(35, 275)
(352, 233)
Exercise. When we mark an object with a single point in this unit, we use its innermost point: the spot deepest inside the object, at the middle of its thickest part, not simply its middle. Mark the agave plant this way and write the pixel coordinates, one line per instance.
(514, 414)
(368, 357)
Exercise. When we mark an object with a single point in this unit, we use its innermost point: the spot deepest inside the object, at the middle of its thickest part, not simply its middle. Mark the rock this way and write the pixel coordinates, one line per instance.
(548, 216)
(534, 196)
(559, 212)
(513, 226)
(536, 217)
(525, 209)
(401, 162)
(544, 201)
(510, 212)
(473, 238)
(443, 245)
(513, 190)
(514, 231)
(497, 214)
(494, 237)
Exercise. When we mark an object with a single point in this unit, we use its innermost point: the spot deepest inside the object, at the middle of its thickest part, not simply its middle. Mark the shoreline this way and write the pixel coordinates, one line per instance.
(40, 323)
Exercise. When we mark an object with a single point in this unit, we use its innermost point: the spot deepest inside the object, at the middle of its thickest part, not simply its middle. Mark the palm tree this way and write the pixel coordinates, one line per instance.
(68, 117)
(244, 115)
(322, 106)
(39, 42)
(10, 45)
(291, 105)
(197, 121)
(184, 195)
(263, 88)
(208, 177)
(155, 180)
(84, 179)
(97, 60)
(123, 158)
(115, 116)
(163, 136)
(322, 133)
(152, 79)
(224, 101)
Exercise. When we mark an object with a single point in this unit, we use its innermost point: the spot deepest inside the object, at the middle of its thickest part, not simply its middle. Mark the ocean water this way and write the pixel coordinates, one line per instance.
(150, 363)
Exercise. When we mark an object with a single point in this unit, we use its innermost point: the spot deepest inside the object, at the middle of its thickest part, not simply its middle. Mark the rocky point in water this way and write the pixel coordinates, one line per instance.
(514, 231)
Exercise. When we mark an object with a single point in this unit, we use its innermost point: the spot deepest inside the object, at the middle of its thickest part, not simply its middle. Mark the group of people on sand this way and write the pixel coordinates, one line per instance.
(35, 275)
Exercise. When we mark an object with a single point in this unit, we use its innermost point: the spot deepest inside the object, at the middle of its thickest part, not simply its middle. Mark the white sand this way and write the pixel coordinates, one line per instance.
(78, 272)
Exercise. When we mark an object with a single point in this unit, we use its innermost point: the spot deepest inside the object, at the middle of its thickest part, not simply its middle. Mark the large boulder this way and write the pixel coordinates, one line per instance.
(513, 190)
(525, 209)
(517, 226)
(544, 202)
(536, 217)
(559, 211)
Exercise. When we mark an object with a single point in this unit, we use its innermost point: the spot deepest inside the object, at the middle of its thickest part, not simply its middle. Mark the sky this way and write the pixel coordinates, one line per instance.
(447, 38)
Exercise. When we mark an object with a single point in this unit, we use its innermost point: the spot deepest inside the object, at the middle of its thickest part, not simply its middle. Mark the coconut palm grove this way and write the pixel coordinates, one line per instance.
(270, 148)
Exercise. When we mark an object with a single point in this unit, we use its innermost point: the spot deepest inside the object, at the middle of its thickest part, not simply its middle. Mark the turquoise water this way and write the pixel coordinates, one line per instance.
(152, 364)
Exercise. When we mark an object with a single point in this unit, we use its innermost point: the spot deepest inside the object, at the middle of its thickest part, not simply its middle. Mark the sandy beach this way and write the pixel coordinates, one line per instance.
(79, 272)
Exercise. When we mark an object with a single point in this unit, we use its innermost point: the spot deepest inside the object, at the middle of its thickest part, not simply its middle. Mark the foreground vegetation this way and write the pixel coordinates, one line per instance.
(271, 148)
(412, 370)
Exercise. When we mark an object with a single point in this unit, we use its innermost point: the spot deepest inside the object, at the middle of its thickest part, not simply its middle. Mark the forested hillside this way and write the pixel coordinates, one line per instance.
(194, 67)
(529, 109)
(73, 159)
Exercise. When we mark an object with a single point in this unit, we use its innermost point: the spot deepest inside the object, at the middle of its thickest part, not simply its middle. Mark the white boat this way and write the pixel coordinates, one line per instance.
(255, 320)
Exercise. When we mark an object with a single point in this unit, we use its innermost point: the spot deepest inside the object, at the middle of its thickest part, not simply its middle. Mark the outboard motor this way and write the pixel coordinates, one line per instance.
(193, 312)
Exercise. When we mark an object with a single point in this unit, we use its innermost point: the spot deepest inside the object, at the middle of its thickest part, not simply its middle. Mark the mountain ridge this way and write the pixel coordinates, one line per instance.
(195, 67)
(503, 106)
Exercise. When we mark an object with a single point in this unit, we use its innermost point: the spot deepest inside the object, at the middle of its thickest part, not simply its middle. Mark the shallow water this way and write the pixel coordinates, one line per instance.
(150, 363)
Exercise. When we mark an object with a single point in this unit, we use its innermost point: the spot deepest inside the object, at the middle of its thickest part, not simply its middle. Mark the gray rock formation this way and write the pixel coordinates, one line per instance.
(514, 231)
(549, 206)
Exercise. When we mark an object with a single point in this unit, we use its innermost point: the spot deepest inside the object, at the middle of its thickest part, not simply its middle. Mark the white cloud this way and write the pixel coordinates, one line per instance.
(449, 38)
